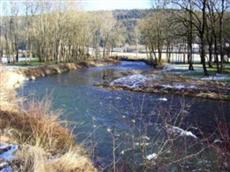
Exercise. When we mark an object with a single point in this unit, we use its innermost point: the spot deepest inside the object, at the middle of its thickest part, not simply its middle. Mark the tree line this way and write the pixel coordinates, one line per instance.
(188, 22)
(56, 31)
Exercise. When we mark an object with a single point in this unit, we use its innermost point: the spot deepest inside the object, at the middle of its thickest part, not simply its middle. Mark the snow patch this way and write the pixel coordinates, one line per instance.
(132, 81)
(145, 138)
(163, 99)
(180, 132)
(141, 144)
(118, 98)
(217, 141)
(217, 77)
(179, 86)
(173, 68)
(109, 130)
(152, 156)
(8, 151)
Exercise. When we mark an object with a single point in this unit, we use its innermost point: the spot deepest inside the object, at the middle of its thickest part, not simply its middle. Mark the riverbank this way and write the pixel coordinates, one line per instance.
(32, 137)
(34, 72)
(133, 77)
(163, 82)
(90, 108)
(136, 59)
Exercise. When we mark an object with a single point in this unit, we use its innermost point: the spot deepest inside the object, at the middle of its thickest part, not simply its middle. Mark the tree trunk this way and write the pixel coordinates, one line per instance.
(203, 61)
(221, 37)
(190, 38)
(17, 55)
(168, 54)
(216, 55)
(210, 54)
(202, 39)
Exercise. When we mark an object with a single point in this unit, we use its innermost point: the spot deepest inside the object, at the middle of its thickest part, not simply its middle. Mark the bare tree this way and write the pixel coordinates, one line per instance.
(197, 19)
(154, 30)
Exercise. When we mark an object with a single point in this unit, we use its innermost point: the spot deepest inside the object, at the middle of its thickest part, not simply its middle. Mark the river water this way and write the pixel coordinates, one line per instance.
(114, 125)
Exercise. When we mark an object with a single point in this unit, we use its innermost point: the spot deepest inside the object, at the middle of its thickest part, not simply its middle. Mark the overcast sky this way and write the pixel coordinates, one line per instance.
(88, 5)
(115, 4)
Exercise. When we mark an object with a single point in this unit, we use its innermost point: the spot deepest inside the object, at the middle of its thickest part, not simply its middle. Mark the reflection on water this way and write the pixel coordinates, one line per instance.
(121, 121)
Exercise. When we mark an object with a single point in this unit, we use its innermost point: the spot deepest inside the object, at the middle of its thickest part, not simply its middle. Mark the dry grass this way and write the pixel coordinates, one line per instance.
(42, 71)
(33, 73)
(45, 144)
(37, 126)
(9, 81)
(13, 79)
(34, 158)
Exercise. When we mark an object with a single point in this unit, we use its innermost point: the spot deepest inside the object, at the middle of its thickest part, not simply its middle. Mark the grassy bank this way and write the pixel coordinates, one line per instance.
(42, 70)
(182, 69)
(45, 143)
(162, 82)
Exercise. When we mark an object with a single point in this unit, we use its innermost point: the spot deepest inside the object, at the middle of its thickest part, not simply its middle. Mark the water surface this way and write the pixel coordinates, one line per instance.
(101, 116)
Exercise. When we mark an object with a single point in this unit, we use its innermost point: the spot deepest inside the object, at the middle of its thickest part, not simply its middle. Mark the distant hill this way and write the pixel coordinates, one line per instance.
(129, 19)
(134, 14)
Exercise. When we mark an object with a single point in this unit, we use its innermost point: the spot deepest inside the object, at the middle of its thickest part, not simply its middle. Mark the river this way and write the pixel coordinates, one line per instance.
(113, 125)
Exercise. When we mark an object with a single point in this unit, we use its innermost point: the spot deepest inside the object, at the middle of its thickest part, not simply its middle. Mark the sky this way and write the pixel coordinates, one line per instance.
(88, 5)
(115, 4)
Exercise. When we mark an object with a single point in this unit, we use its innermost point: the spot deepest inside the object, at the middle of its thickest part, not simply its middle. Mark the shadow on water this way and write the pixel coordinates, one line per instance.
(115, 121)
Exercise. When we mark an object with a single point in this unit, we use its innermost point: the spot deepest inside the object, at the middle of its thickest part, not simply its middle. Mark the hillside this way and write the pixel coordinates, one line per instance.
(129, 19)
